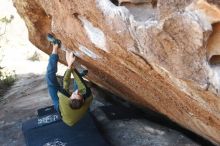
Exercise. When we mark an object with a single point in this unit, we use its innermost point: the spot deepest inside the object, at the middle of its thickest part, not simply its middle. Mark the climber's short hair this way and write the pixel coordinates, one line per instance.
(76, 103)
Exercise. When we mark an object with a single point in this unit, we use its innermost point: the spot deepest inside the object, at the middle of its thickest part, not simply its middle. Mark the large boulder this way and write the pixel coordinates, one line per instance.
(159, 54)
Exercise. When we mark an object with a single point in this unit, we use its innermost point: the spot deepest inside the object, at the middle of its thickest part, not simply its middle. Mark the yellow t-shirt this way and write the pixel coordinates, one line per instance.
(72, 116)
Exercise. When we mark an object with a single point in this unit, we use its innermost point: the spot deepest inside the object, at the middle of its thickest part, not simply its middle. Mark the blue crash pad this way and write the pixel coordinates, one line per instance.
(50, 130)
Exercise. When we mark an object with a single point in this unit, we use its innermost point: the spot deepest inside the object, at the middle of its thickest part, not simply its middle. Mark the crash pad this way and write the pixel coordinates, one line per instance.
(50, 130)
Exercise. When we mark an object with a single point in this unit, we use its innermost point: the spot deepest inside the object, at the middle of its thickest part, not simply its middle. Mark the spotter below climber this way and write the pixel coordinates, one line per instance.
(71, 106)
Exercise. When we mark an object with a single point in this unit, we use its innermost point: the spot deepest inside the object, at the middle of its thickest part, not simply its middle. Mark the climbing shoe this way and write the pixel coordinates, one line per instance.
(53, 40)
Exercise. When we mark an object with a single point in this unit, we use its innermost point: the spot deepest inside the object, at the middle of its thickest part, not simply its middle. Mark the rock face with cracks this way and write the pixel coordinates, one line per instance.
(162, 54)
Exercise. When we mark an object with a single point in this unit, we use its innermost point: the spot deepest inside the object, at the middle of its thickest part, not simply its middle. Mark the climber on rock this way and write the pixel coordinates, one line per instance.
(71, 106)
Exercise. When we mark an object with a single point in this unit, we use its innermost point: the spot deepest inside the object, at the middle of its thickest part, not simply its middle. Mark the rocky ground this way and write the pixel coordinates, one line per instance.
(29, 93)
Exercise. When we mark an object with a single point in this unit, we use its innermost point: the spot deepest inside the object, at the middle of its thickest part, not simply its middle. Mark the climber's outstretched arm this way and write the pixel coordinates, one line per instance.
(81, 85)
(66, 80)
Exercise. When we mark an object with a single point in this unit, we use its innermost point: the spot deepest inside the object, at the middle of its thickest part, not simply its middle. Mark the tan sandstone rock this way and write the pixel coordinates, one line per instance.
(157, 54)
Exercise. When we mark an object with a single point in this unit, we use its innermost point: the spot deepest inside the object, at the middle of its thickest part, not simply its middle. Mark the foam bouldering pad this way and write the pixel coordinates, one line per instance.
(46, 111)
(41, 121)
(44, 132)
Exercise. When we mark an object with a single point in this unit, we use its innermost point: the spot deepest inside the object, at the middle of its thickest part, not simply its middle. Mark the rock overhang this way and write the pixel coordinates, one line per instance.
(159, 60)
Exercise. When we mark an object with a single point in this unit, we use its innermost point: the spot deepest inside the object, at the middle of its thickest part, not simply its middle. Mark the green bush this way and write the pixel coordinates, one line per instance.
(7, 20)
(7, 79)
